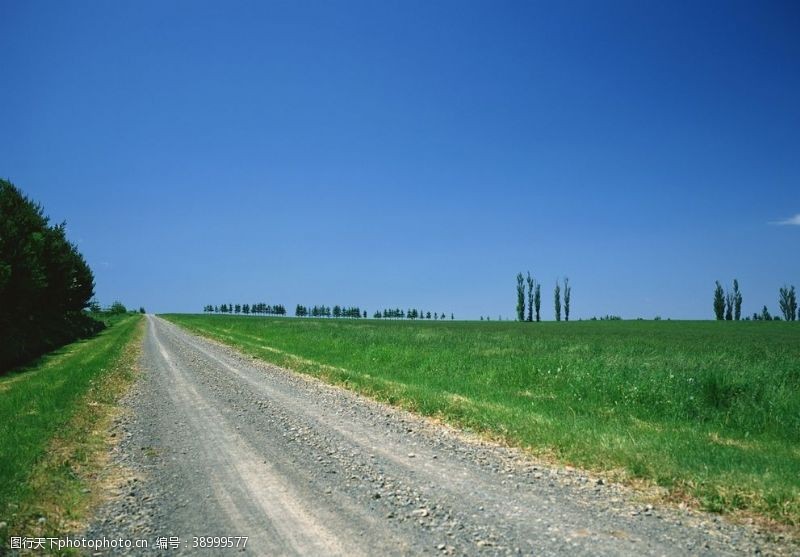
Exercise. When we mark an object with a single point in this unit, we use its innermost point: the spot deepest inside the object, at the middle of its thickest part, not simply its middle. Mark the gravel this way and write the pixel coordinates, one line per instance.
(217, 443)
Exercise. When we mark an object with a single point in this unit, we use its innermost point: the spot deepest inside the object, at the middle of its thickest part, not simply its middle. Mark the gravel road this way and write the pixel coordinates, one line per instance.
(216, 443)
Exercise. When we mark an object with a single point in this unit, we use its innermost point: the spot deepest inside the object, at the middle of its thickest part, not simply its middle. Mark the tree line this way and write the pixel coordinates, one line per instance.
(326, 311)
(352, 312)
(728, 305)
(533, 297)
(247, 309)
(411, 313)
(45, 283)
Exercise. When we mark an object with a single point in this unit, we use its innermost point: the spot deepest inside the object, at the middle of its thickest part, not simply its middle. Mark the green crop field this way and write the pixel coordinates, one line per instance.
(52, 427)
(708, 410)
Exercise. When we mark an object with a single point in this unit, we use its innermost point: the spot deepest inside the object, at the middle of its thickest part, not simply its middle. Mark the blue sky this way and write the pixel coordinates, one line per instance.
(412, 153)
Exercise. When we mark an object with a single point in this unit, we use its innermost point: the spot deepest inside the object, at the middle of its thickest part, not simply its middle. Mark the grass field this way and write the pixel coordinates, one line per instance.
(708, 410)
(52, 415)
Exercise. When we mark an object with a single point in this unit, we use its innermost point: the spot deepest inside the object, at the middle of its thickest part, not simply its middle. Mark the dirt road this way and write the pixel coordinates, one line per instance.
(219, 444)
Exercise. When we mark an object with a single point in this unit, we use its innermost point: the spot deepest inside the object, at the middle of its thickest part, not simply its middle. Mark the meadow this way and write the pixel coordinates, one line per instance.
(709, 411)
(53, 417)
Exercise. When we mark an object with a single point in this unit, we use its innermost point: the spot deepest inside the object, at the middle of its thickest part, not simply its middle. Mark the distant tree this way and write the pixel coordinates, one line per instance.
(520, 297)
(765, 315)
(337, 311)
(788, 303)
(94, 306)
(530, 296)
(436, 315)
(117, 307)
(728, 306)
(557, 296)
(719, 302)
(567, 292)
(237, 308)
(481, 317)
(428, 315)
(452, 317)
(537, 300)
(141, 310)
(737, 301)
(365, 314)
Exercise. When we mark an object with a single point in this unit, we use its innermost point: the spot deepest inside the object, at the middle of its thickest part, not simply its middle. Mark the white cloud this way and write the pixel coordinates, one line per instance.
(795, 220)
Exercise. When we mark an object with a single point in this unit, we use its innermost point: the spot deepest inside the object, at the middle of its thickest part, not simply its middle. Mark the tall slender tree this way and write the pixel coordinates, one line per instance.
(557, 294)
(728, 306)
(530, 297)
(737, 301)
(567, 292)
(537, 301)
(719, 302)
(520, 297)
(788, 303)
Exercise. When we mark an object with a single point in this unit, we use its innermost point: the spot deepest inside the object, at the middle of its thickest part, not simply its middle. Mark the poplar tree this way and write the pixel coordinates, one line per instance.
(520, 297)
(567, 292)
(719, 302)
(788, 303)
(737, 301)
(530, 297)
(557, 293)
(728, 306)
(537, 301)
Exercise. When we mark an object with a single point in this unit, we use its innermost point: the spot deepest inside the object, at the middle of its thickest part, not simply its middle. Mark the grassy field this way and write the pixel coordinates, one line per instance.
(52, 429)
(708, 410)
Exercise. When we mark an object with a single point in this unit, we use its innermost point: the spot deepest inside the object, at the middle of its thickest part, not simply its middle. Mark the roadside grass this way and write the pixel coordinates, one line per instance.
(54, 415)
(709, 411)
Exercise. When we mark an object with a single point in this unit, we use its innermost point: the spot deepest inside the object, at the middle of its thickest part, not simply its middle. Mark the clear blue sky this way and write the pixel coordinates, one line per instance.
(412, 153)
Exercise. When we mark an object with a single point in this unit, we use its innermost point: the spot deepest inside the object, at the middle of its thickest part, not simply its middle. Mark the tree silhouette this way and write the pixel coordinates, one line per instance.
(728, 307)
(530, 296)
(567, 292)
(520, 297)
(719, 302)
(45, 283)
(737, 301)
(788, 303)
(557, 295)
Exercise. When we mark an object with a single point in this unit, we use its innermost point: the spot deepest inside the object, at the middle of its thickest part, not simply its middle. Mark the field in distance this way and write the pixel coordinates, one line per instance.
(708, 410)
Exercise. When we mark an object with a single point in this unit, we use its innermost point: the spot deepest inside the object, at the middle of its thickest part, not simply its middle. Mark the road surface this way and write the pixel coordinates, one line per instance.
(218, 444)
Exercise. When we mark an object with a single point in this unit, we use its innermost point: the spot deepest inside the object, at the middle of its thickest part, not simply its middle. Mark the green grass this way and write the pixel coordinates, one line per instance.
(50, 434)
(710, 411)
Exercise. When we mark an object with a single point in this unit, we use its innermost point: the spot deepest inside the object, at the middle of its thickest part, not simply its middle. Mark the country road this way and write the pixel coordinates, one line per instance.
(216, 443)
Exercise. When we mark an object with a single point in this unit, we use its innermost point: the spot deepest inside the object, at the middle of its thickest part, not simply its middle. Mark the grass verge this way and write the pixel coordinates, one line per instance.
(54, 417)
(708, 411)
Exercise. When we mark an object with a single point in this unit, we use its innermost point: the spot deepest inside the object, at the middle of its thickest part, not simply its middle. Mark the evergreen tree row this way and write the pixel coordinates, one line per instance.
(44, 282)
(398, 313)
(246, 309)
(326, 311)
